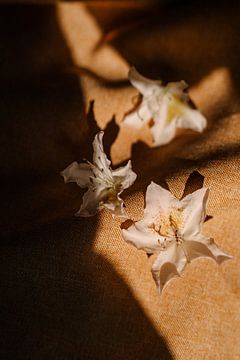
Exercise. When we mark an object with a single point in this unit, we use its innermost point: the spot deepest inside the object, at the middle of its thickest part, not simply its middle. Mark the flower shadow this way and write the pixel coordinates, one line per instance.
(194, 182)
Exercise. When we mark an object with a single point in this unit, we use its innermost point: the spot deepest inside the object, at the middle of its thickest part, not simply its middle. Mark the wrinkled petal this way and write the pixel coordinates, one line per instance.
(100, 159)
(105, 185)
(116, 208)
(168, 265)
(79, 173)
(158, 201)
(194, 206)
(138, 118)
(144, 85)
(90, 204)
(177, 88)
(140, 236)
(99, 198)
(203, 247)
(125, 175)
(109, 198)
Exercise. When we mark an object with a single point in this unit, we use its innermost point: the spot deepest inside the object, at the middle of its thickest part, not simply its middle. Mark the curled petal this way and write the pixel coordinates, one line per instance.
(100, 159)
(177, 89)
(203, 247)
(104, 184)
(79, 173)
(168, 265)
(98, 198)
(116, 208)
(125, 175)
(144, 85)
(109, 198)
(194, 207)
(90, 204)
(142, 238)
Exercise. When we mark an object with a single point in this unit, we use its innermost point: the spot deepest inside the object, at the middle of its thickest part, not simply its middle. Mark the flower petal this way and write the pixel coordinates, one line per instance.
(116, 208)
(174, 114)
(90, 204)
(219, 255)
(205, 248)
(168, 265)
(191, 119)
(163, 131)
(138, 117)
(125, 175)
(177, 89)
(166, 105)
(79, 173)
(105, 185)
(100, 159)
(194, 206)
(144, 85)
(140, 236)
(158, 201)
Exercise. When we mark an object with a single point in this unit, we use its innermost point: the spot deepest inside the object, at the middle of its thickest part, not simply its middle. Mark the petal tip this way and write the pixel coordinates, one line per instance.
(223, 258)
(62, 173)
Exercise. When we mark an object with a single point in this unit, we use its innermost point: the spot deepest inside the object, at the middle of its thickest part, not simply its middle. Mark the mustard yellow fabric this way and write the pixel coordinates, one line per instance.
(72, 288)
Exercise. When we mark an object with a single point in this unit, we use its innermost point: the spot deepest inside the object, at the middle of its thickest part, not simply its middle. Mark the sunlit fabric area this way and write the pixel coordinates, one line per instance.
(71, 287)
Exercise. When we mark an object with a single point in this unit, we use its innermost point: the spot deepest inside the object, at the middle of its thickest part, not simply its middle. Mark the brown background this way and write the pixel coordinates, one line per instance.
(71, 288)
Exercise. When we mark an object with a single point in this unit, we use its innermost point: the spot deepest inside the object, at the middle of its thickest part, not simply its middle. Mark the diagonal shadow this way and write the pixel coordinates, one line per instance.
(59, 299)
(186, 49)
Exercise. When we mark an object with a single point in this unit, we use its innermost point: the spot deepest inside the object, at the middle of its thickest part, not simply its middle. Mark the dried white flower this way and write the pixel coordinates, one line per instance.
(172, 228)
(167, 106)
(104, 184)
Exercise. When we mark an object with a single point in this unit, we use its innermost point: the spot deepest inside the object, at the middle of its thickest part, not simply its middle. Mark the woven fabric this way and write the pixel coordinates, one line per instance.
(72, 288)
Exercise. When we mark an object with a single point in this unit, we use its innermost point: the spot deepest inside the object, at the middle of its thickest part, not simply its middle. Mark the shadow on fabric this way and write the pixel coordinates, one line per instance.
(193, 37)
(59, 300)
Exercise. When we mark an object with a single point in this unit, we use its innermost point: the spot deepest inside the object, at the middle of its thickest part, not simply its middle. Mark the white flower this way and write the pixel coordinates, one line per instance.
(166, 106)
(172, 228)
(104, 184)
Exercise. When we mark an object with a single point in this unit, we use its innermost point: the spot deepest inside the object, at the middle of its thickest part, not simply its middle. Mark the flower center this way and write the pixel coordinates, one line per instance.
(154, 101)
(110, 195)
(175, 108)
(169, 226)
